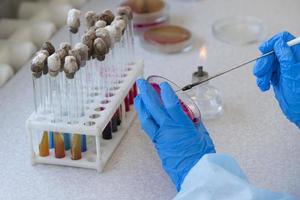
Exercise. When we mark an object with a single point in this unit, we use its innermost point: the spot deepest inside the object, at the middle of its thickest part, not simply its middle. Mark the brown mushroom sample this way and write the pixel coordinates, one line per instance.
(48, 47)
(100, 24)
(119, 33)
(73, 20)
(66, 46)
(75, 53)
(107, 16)
(91, 33)
(125, 10)
(54, 64)
(121, 17)
(112, 34)
(38, 63)
(63, 51)
(46, 53)
(104, 34)
(120, 24)
(92, 28)
(83, 51)
(88, 41)
(70, 67)
(62, 54)
(90, 18)
(100, 49)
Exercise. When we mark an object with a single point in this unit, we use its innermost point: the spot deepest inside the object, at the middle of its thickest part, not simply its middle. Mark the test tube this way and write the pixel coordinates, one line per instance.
(126, 11)
(131, 35)
(37, 67)
(54, 63)
(47, 46)
(37, 93)
(88, 40)
(82, 50)
(63, 52)
(60, 140)
(72, 93)
(84, 54)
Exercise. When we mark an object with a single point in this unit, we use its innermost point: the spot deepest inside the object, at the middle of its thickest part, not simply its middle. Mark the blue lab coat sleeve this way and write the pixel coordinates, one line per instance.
(218, 176)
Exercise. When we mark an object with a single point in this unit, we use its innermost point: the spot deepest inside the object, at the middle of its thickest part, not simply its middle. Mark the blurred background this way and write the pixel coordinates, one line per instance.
(24, 26)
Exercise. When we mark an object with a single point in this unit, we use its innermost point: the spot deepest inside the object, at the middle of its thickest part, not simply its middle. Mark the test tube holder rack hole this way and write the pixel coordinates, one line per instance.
(94, 158)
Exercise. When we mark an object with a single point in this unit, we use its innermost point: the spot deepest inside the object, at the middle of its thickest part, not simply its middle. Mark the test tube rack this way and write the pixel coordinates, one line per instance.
(91, 125)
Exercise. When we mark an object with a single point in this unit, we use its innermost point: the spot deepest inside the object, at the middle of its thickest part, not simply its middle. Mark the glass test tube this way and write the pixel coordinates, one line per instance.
(37, 94)
(120, 73)
(114, 81)
(73, 115)
(107, 132)
(81, 108)
(64, 110)
(56, 108)
(130, 42)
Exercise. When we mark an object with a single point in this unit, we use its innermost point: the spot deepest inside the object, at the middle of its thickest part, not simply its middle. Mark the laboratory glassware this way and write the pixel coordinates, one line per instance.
(187, 104)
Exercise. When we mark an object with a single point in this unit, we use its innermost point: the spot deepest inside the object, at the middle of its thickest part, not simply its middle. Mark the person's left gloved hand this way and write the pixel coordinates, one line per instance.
(179, 143)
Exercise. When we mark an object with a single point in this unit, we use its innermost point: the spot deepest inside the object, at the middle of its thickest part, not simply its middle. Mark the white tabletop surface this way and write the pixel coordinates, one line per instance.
(253, 130)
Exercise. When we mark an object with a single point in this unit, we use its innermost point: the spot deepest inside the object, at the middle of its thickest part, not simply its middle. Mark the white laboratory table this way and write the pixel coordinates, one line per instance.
(253, 130)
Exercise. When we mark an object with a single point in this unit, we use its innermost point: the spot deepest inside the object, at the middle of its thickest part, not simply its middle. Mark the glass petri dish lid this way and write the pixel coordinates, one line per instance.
(187, 104)
(240, 30)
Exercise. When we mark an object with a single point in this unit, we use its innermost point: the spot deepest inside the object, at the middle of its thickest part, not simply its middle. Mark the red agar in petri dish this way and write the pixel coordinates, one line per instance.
(168, 39)
(167, 35)
(185, 108)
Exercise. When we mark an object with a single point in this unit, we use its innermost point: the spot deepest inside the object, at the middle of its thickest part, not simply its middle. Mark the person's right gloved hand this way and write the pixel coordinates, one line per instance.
(282, 71)
(179, 143)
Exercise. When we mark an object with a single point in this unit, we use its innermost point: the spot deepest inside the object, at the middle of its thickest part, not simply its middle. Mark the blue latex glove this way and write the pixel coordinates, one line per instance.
(282, 70)
(179, 143)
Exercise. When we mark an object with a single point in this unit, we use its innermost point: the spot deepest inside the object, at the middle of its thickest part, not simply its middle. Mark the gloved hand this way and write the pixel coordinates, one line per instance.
(178, 142)
(282, 70)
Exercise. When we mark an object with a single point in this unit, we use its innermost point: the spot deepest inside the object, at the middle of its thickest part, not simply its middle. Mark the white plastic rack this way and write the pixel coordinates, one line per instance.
(92, 125)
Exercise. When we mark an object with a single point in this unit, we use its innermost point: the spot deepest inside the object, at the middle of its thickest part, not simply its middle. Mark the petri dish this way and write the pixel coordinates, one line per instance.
(241, 30)
(187, 104)
(148, 13)
(167, 39)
